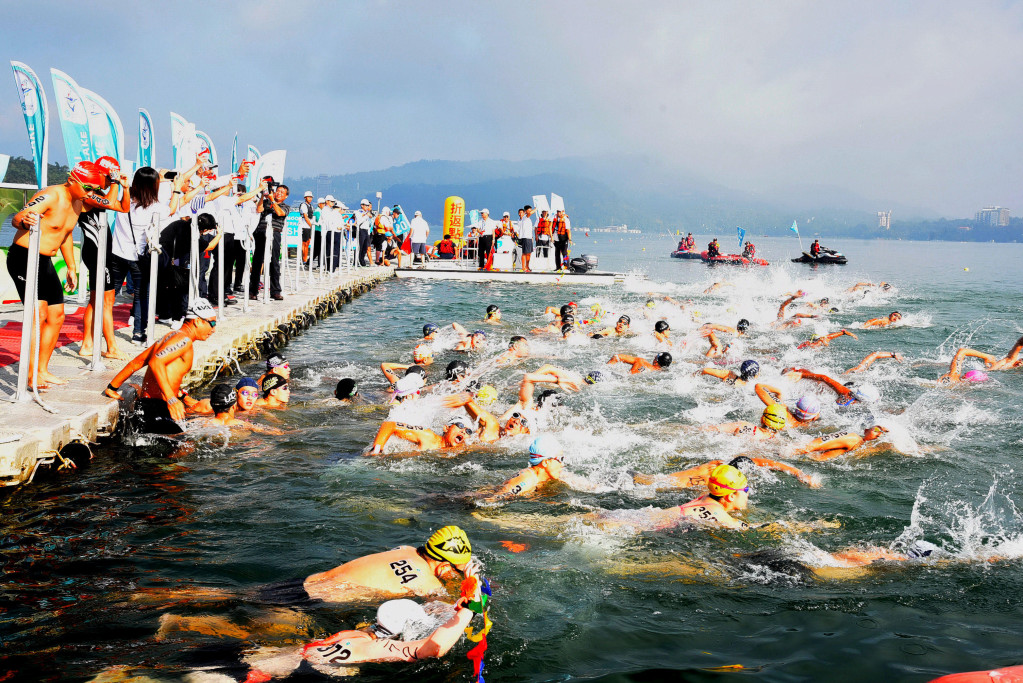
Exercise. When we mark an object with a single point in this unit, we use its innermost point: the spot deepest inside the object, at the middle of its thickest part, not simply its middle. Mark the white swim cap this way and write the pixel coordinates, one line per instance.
(866, 393)
(409, 384)
(201, 308)
(394, 616)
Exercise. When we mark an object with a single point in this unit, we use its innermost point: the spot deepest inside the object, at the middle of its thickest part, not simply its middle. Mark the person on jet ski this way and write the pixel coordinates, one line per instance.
(815, 248)
(713, 249)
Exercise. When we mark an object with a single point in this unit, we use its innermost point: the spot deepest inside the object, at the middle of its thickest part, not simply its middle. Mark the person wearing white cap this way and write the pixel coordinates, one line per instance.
(486, 228)
(161, 400)
(306, 211)
(363, 220)
(420, 235)
(332, 225)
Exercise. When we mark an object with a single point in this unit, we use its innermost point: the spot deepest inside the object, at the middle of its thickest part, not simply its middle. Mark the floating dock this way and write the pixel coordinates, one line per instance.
(31, 437)
(433, 272)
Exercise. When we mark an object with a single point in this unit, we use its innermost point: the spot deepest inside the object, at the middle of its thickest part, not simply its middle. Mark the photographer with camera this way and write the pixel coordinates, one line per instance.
(271, 207)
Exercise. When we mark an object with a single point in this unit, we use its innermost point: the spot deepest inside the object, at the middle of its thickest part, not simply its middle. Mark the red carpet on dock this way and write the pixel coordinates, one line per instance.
(70, 333)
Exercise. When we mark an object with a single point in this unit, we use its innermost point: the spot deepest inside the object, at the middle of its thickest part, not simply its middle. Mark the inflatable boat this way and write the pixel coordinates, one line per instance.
(733, 259)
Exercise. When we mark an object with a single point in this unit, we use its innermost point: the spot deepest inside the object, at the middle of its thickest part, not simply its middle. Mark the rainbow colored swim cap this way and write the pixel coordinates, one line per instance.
(725, 480)
(449, 544)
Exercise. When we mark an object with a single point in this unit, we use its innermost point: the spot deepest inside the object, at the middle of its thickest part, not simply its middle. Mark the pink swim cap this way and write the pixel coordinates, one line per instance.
(975, 376)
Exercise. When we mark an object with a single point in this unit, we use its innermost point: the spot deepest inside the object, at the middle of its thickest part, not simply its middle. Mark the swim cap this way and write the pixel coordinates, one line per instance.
(549, 396)
(975, 376)
(421, 353)
(415, 370)
(492, 308)
(807, 408)
(461, 423)
(201, 308)
(625, 319)
(594, 376)
(246, 382)
(394, 616)
(742, 325)
(650, 303)
(663, 359)
(409, 385)
(749, 369)
(773, 416)
(566, 328)
(486, 395)
(449, 544)
(346, 388)
(273, 381)
(109, 165)
(88, 172)
(866, 393)
(565, 310)
(222, 398)
(725, 480)
(743, 464)
(457, 369)
(921, 549)
(568, 319)
(430, 328)
(661, 326)
(275, 360)
(543, 447)
(481, 333)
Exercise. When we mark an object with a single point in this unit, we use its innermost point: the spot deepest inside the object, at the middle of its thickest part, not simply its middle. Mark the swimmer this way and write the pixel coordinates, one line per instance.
(430, 331)
(493, 315)
(410, 386)
(861, 286)
(546, 374)
(248, 394)
(820, 341)
(161, 401)
(456, 371)
(716, 350)
(620, 329)
(469, 342)
(892, 318)
(278, 365)
(826, 449)
(661, 362)
(570, 307)
(518, 348)
(490, 429)
(276, 392)
(569, 332)
(347, 390)
(991, 362)
(661, 329)
(740, 328)
(747, 371)
(699, 475)
(869, 360)
(806, 410)
(456, 433)
(391, 371)
(727, 492)
(848, 393)
(772, 420)
(223, 402)
(717, 285)
(546, 464)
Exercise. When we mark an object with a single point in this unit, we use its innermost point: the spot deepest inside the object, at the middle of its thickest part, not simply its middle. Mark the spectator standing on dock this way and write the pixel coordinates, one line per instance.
(363, 223)
(161, 402)
(306, 211)
(562, 238)
(270, 205)
(333, 226)
(486, 228)
(420, 235)
(525, 232)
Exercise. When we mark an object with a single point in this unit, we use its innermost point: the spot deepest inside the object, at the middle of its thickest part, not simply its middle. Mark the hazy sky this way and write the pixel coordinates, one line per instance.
(916, 103)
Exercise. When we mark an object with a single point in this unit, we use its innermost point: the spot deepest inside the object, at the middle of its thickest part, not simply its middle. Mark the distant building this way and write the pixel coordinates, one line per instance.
(324, 186)
(995, 216)
(884, 220)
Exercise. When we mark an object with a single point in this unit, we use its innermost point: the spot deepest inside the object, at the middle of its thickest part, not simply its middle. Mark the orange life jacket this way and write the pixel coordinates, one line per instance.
(543, 226)
(561, 226)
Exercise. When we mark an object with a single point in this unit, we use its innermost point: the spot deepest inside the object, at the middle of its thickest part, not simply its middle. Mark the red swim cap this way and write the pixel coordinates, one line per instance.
(89, 173)
(109, 165)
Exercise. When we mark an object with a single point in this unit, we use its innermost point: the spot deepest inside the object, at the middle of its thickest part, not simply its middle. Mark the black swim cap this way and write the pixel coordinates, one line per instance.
(625, 319)
(743, 464)
(275, 360)
(663, 359)
(567, 327)
(416, 370)
(548, 397)
(272, 381)
(516, 339)
(493, 308)
(565, 310)
(568, 319)
(222, 398)
(742, 325)
(661, 326)
(457, 369)
(346, 388)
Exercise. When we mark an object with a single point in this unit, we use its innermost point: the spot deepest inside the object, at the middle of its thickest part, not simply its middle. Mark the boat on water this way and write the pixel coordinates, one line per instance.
(685, 253)
(732, 259)
(826, 256)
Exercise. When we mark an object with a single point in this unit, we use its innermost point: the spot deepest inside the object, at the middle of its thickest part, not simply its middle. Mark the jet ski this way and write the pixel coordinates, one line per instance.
(826, 256)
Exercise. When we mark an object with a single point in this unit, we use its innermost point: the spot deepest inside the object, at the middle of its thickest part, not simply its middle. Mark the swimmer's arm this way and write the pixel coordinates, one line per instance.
(716, 372)
(639, 365)
(522, 483)
(383, 434)
(784, 305)
(623, 358)
(802, 476)
(40, 203)
(133, 366)
(869, 360)
(716, 327)
(202, 407)
(389, 368)
(1014, 352)
(835, 385)
(487, 422)
(803, 315)
(832, 448)
(440, 642)
(715, 345)
(768, 394)
(577, 482)
(459, 329)
(663, 338)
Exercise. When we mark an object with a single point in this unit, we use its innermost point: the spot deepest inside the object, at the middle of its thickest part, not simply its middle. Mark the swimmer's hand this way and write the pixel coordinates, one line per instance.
(110, 392)
(71, 280)
(849, 334)
(458, 400)
(176, 409)
(29, 221)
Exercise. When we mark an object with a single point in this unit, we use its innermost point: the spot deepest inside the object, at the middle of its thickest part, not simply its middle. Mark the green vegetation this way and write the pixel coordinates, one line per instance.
(22, 170)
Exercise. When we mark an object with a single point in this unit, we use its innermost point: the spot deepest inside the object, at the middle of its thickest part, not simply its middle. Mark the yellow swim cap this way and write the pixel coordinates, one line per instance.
(486, 395)
(773, 416)
(725, 480)
(449, 544)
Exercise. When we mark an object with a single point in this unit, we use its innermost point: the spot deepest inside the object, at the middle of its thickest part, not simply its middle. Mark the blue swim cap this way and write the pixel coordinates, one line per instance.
(430, 328)
(479, 332)
(246, 382)
(543, 447)
(749, 369)
(594, 376)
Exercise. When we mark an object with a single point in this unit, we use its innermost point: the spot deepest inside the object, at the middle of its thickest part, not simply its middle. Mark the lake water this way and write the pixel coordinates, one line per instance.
(87, 556)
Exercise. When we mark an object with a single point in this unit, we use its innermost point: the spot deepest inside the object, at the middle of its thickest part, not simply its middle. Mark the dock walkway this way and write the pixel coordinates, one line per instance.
(31, 436)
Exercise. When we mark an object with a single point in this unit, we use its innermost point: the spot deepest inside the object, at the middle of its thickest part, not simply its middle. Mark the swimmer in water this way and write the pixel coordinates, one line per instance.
(469, 342)
(991, 362)
(820, 341)
(493, 315)
(848, 393)
(717, 285)
(740, 328)
(661, 329)
(278, 365)
(456, 371)
(410, 386)
(430, 331)
(276, 392)
(546, 464)
(869, 360)
(862, 286)
(727, 493)
(826, 449)
(490, 429)
(248, 395)
(781, 322)
(347, 390)
(661, 362)
(806, 410)
(620, 329)
(699, 475)
(518, 348)
(570, 307)
(423, 354)
(772, 420)
(223, 403)
(456, 433)
(892, 318)
(546, 374)
(747, 371)
(569, 331)
(391, 371)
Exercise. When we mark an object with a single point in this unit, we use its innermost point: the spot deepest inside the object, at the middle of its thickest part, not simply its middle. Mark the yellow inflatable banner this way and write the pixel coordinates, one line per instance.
(454, 217)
